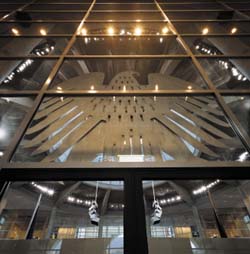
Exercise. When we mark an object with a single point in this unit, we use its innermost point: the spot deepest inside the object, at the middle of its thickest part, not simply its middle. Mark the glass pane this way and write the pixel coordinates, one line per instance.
(26, 74)
(32, 46)
(223, 45)
(125, 16)
(240, 105)
(37, 28)
(228, 73)
(212, 27)
(125, 6)
(89, 211)
(134, 45)
(12, 112)
(135, 74)
(191, 6)
(153, 129)
(9, 6)
(202, 15)
(66, 7)
(16, 212)
(197, 211)
(32, 16)
(154, 28)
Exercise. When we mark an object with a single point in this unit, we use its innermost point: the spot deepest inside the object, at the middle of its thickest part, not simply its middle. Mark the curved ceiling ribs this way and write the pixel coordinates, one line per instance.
(142, 128)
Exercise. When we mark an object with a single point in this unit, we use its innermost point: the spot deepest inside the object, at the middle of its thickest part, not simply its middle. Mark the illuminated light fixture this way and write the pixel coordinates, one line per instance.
(71, 199)
(84, 31)
(43, 189)
(124, 88)
(2, 133)
(138, 20)
(43, 32)
(242, 98)
(161, 40)
(204, 188)
(156, 87)
(189, 87)
(205, 31)
(15, 31)
(138, 31)
(234, 30)
(1, 153)
(240, 77)
(165, 30)
(122, 32)
(111, 31)
(243, 157)
(92, 88)
(59, 88)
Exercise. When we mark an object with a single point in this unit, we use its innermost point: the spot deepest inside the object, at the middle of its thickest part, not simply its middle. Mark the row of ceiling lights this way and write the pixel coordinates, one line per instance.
(170, 200)
(112, 31)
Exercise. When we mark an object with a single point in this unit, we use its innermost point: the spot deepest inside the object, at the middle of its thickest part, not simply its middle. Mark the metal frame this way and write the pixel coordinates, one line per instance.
(180, 38)
(131, 173)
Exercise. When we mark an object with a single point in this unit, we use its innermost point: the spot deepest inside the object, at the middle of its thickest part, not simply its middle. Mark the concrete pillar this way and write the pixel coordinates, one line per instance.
(197, 221)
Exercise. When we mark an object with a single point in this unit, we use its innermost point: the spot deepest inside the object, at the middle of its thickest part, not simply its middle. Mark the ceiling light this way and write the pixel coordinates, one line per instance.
(165, 30)
(84, 31)
(234, 30)
(156, 87)
(111, 31)
(205, 31)
(15, 31)
(122, 32)
(2, 133)
(43, 32)
(189, 87)
(1, 153)
(138, 31)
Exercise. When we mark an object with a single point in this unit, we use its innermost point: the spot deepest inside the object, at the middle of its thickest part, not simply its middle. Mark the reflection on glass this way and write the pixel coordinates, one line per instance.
(240, 105)
(125, 6)
(152, 28)
(197, 210)
(202, 15)
(26, 74)
(116, 15)
(66, 7)
(214, 27)
(191, 6)
(227, 73)
(34, 16)
(136, 74)
(153, 129)
(12, 112)
(134, 45)
(229, 45)
(64, 210)
(32, 46)
(34, 28)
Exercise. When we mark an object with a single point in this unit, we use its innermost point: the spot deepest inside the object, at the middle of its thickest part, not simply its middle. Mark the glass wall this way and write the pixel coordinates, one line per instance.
(195, 209)
(65, 210)
(146, 51)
